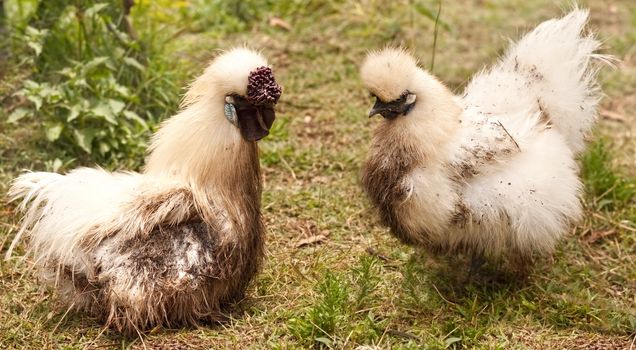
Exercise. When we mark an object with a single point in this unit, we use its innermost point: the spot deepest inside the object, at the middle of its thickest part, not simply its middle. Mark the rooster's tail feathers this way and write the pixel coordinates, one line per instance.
(60, 210)
(29, 188)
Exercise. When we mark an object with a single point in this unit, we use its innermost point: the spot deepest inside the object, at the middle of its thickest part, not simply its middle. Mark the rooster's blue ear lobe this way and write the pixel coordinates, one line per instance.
(230, 111)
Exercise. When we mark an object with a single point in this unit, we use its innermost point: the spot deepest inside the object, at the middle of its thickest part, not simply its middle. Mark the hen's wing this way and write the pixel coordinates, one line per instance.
(485, 144)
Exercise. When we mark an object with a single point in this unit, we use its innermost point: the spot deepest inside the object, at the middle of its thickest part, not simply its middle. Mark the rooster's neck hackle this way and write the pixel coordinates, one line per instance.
(200, 148)
(198, 145)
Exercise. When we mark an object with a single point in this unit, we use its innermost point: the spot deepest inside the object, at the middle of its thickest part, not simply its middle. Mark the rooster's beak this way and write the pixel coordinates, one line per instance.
(255, 122)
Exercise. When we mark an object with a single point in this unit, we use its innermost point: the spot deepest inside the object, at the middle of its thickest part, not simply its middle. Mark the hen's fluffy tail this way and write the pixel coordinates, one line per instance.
(551, 68)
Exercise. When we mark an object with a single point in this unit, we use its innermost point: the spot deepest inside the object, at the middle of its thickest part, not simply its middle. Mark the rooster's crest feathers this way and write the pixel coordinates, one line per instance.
(228, 73)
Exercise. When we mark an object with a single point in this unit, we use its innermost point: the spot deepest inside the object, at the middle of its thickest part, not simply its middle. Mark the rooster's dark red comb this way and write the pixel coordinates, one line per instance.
(262, 88)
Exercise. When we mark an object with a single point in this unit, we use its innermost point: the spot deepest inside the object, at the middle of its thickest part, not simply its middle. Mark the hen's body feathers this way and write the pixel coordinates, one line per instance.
(496, 175)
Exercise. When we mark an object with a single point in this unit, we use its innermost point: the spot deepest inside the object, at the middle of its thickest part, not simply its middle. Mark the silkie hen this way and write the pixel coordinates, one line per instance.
(171, 245)
(491, 173)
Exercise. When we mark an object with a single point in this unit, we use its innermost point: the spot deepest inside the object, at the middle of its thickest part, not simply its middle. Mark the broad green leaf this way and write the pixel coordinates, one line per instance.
(67, 72)
(18, 114)
(103, 148)
(34, 32)
(81, 82)
(121, 90)
(127, 134)
(36, 46)
(74, 112)
(18, 12)
(130, 115)
(54, 131)
(114, 143)
(45, 90)
(134, 63)
(95, 62)
(30, 84)
(37, 101)
(104, 110)
(118, 53)
(50, 93)
(84, 139)
(116, 106)
(93, 10)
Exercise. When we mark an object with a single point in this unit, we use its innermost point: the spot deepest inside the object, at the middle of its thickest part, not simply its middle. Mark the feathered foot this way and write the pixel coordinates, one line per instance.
(511, 270)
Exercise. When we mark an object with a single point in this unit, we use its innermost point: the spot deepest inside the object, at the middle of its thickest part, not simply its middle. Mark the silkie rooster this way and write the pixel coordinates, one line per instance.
(171, 245)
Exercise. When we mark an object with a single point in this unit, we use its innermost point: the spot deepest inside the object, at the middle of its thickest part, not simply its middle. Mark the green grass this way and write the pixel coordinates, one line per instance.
(360, 286)
(605, 184)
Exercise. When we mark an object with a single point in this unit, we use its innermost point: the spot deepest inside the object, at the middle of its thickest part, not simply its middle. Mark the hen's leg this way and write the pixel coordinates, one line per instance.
(477, 261)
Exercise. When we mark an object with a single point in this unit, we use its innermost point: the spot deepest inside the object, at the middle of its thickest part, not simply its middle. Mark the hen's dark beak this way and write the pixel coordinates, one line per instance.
(395, 108)
(383, 109)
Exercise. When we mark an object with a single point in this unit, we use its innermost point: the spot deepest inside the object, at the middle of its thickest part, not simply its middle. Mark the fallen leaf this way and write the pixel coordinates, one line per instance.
(280, 23)
(598, 235)
(311, 240)
(610, 115)
(377, 254)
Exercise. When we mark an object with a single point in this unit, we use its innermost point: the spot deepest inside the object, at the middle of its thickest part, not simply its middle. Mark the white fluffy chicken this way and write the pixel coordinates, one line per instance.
(491, 173)
(172, 245)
